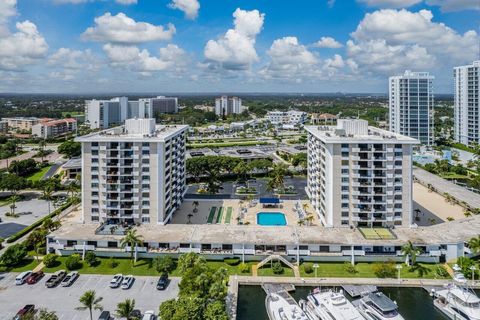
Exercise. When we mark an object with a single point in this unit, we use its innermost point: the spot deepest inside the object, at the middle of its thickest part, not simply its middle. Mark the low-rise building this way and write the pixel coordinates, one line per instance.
(23, 123)
(291, 117)
(323, 118)
(360, 175)
(54, 128)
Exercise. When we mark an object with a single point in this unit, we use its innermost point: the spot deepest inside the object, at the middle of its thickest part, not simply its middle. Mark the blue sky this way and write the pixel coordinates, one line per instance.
(82, 46)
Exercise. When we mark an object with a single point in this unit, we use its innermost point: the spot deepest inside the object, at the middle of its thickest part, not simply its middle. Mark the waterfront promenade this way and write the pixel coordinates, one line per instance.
(235, 281)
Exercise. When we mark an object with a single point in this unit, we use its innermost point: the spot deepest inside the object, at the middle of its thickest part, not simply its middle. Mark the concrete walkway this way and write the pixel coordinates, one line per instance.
(235, 281)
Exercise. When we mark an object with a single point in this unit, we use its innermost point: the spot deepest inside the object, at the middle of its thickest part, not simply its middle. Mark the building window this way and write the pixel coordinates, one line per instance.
(95, 218)
(344, 222)
(344, 213)
(344, 188)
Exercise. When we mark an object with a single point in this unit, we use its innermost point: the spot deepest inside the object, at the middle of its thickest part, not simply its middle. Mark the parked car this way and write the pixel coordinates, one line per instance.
(127, 282)
(149, 315)
(69, 279)
(116, 281)
(162, 282)
(27, 310)
(22, 277)
(105, 315)
(34, 277)
(55, 279)
(135, 314)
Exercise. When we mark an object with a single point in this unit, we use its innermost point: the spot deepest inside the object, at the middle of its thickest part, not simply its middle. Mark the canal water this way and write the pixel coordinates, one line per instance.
(413, 303)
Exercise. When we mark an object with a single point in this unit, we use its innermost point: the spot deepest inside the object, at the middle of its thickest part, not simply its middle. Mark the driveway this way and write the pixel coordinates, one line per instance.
(64, 300)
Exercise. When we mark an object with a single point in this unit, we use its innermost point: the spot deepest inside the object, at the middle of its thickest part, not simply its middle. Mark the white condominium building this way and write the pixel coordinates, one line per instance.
(159, 105)
(359, 175)
(54, 128)
(287, 117)
(411, 105)
(225, 106)
(467, 103)
(133, 173)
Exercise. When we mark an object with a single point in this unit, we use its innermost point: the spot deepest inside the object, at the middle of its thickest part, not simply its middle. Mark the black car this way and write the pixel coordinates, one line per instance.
(105, 315)
(162, 282)
(135, 314)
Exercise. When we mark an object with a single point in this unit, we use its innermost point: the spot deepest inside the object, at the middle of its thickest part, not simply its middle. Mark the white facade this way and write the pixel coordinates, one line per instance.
(225, 106)
(411, 105)
(54, 128)
(292, 117)
(359, 175)
(133, 173)
(467, 103)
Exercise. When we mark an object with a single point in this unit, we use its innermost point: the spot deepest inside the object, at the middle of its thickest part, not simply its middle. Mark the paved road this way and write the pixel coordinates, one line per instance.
(64, 300)
(443, 186)
(52, 157)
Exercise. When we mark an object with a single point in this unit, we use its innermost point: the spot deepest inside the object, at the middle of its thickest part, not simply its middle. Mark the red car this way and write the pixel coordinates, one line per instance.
(34, 277)
(26, 311)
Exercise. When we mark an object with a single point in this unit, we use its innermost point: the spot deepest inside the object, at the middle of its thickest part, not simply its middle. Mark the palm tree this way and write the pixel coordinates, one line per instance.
(42, 145)
(90, 302)
(13, 199)
(47, 194)
(301, 222)
(410, 251)
(309, 219)
(125, 308)
(132, 240)
(474, 244)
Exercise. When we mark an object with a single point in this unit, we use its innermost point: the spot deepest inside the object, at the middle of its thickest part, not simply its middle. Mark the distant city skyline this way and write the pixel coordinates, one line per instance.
(196, 46)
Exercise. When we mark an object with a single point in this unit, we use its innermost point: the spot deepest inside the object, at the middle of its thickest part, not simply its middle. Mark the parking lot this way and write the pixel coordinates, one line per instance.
(64, 300)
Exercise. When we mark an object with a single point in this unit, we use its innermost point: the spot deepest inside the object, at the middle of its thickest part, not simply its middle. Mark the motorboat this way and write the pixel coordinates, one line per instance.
(377, 306)
(331, 305)
(281, 306)
(457, 301)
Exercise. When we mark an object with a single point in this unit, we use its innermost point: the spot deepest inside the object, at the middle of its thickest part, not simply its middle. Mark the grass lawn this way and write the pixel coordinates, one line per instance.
(141, 268)
(364, 270)
(39, 174)
(452, 175)
(267, 272)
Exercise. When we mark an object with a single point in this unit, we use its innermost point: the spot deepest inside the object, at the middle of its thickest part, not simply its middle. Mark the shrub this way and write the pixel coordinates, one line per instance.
(13, 255)
(50, 260)
(73, 262)
(308, 268)
(385, 269)
(164, 264)
(277, 268)
(42, 250)
(112, 263)
(244, 268)
(91, 258)
(349, 268)
(232, 261)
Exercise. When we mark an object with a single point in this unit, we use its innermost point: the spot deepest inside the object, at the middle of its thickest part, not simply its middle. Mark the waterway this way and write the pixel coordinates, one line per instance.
(413, 303)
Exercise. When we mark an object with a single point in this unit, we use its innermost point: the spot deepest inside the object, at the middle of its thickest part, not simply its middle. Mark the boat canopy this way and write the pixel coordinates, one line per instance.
(381, 301)
(465, 295)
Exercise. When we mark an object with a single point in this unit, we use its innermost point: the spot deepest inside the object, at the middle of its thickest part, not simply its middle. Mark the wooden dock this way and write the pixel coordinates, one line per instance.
(359, 290)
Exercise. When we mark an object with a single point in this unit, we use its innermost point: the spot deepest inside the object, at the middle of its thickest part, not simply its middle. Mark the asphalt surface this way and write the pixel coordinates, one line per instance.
(64, 300)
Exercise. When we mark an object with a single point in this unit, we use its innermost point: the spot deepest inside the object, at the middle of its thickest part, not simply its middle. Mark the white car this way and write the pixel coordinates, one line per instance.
(127, 282)
(149, 315)
(116, 281)
(69, 279)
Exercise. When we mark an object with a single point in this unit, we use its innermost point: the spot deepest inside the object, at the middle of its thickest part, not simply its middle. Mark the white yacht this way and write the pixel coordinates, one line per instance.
(281, 306)
(330, 305)
(377, 306)
(457, 302)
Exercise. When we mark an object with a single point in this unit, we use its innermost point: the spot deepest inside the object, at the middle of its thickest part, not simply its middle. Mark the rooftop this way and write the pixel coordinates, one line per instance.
(357, 131)
(135, 130)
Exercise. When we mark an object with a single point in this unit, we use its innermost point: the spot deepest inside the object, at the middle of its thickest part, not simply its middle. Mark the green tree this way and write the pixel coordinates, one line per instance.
(189, 307)
(167, 309)
(215, 311)
(47, 194)
(70, 149)
(164, 264)
(73, 262)
(241, 169)
(90, 302)
(13, 255)
(132, 240)
(410, 252)
(13, 183)
(37, 240)
(91, 258)
(474, 244)
(125, 308)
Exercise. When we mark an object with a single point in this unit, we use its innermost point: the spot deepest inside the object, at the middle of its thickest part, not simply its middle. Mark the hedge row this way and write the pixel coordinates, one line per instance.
(38, 223)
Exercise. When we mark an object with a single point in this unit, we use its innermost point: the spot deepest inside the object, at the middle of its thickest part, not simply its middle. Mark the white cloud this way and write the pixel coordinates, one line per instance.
(236, 49)
(170, 57)
(327, 42)
(335, 62)
(69, 59)
(122, 29)
(455, 5)
(22, 47)
(390, 3)
(331, 3)
(8, 8)
(391, 40)
(126, 2)
(189, 7)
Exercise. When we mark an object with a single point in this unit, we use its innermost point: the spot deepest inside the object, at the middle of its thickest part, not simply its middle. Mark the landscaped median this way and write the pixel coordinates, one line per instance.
(39, 222)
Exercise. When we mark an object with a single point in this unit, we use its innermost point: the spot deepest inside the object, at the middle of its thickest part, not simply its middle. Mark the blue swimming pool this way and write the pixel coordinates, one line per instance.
(271, 219)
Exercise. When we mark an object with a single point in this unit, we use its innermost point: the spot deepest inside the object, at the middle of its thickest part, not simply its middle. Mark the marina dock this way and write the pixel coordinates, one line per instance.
(356, 291)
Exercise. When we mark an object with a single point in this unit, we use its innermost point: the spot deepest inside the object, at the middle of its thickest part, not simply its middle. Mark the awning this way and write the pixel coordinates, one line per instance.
(269, 200)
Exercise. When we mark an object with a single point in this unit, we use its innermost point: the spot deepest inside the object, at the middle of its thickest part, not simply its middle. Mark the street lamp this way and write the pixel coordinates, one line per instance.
(316, 266)
(399, 267)
(473, 268)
